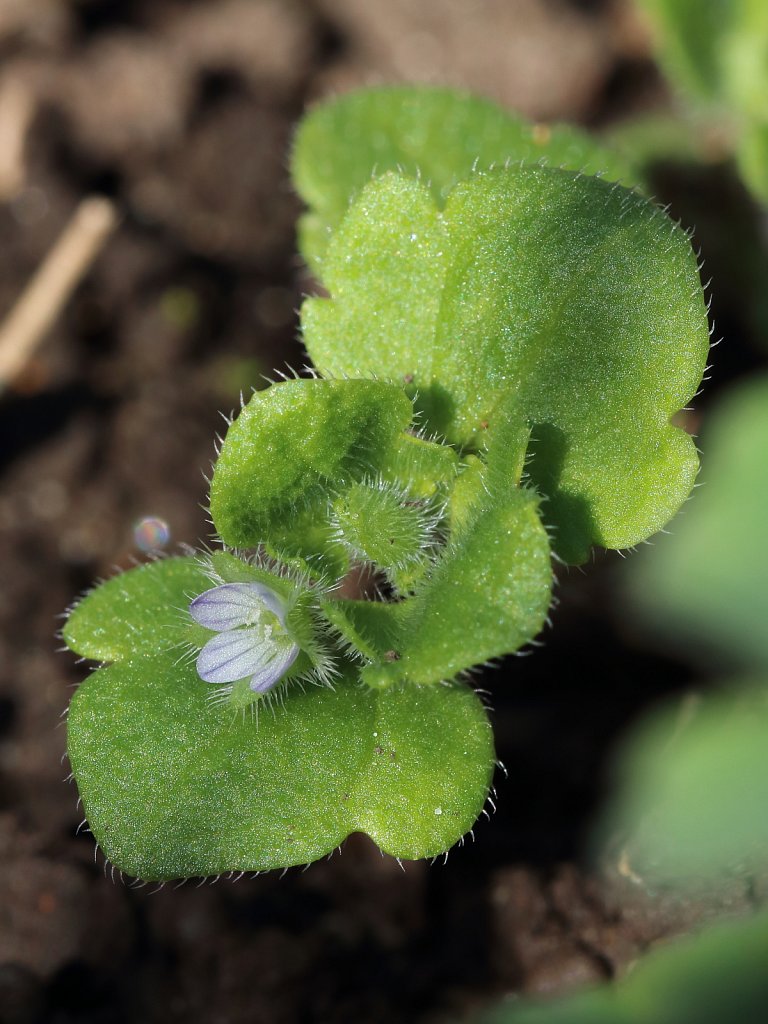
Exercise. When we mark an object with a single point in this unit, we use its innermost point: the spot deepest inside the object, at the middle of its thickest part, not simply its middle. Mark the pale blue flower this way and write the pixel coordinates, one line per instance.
(251, 637)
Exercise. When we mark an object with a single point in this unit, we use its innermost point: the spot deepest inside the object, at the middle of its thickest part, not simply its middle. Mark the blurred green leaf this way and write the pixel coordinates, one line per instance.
(713, 978)
(688, 36)
(692, 793)
(706, 582)
(716, 53)
(437, 134)
(578, 300)
(752, 158)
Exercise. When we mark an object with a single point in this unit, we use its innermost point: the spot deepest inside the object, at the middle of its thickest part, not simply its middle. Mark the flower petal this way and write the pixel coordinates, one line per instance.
(235, 654)
(266, 677)
(234, 604)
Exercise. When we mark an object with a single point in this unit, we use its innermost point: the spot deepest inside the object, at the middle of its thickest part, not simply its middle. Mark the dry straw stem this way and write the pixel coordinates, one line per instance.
(50, 288)
(16, 111)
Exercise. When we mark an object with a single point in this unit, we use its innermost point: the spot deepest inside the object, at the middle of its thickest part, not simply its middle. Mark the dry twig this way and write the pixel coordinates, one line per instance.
(46, 294)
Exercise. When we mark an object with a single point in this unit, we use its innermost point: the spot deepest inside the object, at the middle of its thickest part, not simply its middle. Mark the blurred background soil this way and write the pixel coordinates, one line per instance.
(182, 113)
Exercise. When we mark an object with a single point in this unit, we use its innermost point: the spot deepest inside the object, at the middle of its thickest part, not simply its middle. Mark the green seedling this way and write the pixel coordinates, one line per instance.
(497, 363)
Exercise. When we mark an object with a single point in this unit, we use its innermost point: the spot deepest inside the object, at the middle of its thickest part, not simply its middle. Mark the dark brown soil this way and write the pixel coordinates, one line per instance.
(182, 112)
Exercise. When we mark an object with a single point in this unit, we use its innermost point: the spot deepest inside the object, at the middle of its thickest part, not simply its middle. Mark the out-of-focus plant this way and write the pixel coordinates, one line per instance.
(696, 800)
(706, 586)
(715, 54)
(713, 978)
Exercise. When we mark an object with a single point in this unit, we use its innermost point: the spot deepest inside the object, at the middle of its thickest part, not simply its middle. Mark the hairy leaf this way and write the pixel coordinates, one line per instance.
(295, 442)
(173, 786)
(439, 134)
(487, 595)
(141, 612)
(576, 300)
(429, 770)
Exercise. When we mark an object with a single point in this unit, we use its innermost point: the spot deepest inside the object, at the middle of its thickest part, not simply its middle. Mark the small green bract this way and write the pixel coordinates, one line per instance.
(497, 369)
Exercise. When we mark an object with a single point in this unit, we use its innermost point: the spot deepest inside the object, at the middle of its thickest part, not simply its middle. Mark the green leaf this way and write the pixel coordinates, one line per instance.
(706, 582)
(429, 771)
(578, 301)
(293, 444)
(693, 791)
(141, 612)
(385, 270)
(711, 978)
(439, 134)
(225, 567)
(367, 628)
(487, 595)
(381, 525)
(420, 464)
(173, 787)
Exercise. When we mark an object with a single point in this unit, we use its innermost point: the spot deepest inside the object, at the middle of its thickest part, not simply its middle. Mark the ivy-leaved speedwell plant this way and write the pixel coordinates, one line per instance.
(505, 341)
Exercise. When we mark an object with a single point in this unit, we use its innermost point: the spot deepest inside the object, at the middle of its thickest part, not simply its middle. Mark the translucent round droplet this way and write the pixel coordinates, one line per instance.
(151, 533)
